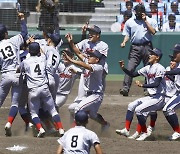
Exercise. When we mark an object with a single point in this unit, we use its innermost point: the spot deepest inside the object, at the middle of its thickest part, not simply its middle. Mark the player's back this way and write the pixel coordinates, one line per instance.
(78, 140)
(53, 59)
(8, 56)
(35, 70)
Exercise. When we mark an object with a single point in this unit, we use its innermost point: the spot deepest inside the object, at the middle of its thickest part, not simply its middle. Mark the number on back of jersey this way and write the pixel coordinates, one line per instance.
(7, 52)
(37, 69)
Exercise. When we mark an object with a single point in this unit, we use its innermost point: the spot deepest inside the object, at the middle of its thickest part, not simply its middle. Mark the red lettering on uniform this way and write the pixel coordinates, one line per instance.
(87, 74)
(62, 75)
(151, 76)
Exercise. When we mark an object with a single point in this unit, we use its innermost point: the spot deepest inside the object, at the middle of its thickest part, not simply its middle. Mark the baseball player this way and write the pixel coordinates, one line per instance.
(91, 44)
(174, 103)
(53, 59)
(79, 139)
(9, 61)
(170, 92)
(154, 73)
(92, 82)
(68, 73)
(37, 83)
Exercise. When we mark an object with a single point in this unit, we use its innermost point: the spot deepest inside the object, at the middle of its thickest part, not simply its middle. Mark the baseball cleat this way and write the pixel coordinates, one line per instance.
(174, 136)
(150, 129)
(105, 127)
(61, 132)
(134, 136)
(143, 136)
(123, 132)
(8, 129)
(41, 133)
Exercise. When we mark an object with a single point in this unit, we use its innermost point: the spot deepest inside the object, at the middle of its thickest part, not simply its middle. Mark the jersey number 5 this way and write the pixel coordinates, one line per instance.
(9, 50)
(74, 141)
(54, 59)
(37, 69)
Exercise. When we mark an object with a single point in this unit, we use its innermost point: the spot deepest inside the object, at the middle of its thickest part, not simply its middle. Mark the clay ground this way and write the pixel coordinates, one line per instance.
(113, 109)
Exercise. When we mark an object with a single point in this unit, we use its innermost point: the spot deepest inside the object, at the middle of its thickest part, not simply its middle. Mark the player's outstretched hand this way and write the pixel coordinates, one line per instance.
(66, 57)
(121, 64)
(138, 83)
(123, 44)
(21, 15)
(69, 37)
(84, 27)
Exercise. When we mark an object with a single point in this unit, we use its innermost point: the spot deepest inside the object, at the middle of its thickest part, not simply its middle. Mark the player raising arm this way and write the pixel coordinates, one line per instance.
(154, 73)
(9, 62)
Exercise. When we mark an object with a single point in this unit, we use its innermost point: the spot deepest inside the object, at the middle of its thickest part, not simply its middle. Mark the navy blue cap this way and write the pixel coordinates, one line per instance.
(156, 51)
(95, 53)
(55, 37)
(3, 29)
(174, 3)
(94, 28)
(34, 48)
(176, 48)
(81, 116)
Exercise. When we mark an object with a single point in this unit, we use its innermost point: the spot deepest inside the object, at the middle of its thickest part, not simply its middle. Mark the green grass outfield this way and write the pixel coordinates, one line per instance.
(120, 77)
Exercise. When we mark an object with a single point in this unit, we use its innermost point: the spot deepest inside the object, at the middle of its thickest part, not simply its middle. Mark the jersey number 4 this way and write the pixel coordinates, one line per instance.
(7, 53)
(37, 69)
(74, 141)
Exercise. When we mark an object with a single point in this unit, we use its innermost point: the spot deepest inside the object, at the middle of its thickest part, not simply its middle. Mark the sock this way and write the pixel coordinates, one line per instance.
(142, 122)
(57, 122)
(173, 121)
(138, 128)
(153, 120)
(129, 118)
(12, 114)
(37, 122)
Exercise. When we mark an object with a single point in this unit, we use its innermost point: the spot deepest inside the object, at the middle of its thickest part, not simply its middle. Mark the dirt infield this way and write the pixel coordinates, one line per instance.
(113, 109)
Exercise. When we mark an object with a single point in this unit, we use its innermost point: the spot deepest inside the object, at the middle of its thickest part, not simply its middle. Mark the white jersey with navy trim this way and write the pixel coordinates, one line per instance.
(177, 79)
(9, 53)
(151, 72)
(35, 70)
(93, 80)
(78, 140)
(170, 85)
(86, 45)
(66, 78)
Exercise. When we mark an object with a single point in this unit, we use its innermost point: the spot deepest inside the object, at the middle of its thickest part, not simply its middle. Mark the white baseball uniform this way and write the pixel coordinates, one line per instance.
(155, 101)
(66, 82)
(78, 140)
(37, 83)
(9, 61)
(174, 102)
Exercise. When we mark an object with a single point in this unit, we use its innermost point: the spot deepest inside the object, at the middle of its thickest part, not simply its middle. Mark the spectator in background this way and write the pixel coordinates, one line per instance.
(49, 13)
(129, 6)
(171, 25)
(119, 26)
(154, 8)
(174, 8)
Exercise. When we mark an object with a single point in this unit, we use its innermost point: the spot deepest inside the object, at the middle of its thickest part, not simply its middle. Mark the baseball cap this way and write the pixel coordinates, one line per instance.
(171, 57)
(68, 52)
(34, 48)
(81, 116)
(156, 51)
(174, 3)
(140, 8)
(176, 48)
(3, 30)
(128, 13)
(55, 37)
(94, 28)
(95, 53)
